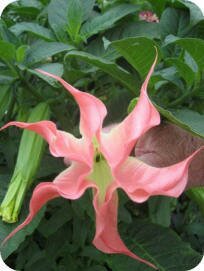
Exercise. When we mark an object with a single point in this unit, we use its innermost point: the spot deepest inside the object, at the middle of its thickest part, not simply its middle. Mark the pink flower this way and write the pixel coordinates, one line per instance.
(101, 161)
(148, 16)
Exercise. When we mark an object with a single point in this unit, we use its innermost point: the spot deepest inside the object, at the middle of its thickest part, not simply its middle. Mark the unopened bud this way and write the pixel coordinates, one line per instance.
(29, 156)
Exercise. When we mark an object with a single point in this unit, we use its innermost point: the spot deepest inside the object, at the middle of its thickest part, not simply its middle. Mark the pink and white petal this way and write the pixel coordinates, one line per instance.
(72, 182)
(140, 181)
(61, 144)
(92, 110)
(118, 143)
(107, 238)
(43, 193)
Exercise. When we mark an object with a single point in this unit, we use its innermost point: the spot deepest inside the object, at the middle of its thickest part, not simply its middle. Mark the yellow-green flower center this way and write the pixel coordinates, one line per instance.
(101, 175)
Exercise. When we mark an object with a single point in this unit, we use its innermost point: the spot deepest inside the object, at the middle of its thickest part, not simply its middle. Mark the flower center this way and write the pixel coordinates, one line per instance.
(101, 175)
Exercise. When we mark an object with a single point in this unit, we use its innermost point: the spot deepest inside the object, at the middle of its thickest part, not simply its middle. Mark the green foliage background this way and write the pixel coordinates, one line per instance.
(101, 47)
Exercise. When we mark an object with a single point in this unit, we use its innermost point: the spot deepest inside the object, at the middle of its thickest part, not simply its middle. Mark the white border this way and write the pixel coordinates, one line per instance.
(199, 3)
(3, 5)
(3, 266)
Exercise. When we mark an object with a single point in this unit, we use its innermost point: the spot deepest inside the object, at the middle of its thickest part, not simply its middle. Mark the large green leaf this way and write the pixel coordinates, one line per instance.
(29, 8)
(197, 195)
(160, 209)
(7, 51)
(33, 28)
(16, 240)
(159, 245)
(107, 19)
(183, 69)
(194, 47)
(41, 50)
(197, 31)
(87, 8)
(158, 5)
(74, 19)
(55, 68)
(109, 67)
(5, 99)
(134, 29)
(7, 35)
(196, 14)
(139, 52)
(58, 16)
(174, 22)
(187, 119)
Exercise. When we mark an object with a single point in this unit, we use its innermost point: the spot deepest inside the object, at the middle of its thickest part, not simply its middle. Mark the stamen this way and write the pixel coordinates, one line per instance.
(98, 158)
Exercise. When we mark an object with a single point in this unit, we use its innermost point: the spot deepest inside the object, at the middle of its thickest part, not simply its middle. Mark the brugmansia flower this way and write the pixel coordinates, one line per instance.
(101, 161)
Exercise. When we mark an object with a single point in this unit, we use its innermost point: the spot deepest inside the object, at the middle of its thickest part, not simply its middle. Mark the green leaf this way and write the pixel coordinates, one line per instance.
(61, 216)
(158, 5)
(194, 47)
(196, 14)
(139, 52)
(174, 22)
(96, 268)
(7, 35)
(21, 53)
(29, 8)
(31, 3)
(197, 195)
(160, 209)
(192, 120)
(42, 50)
(5, 99)
(7, 51)
(189, 120)
(5, 80)
(74, 19)
(87, 7)
(59, 16)
(159, 245)
(134, 29)
(55, 68)
(107, 19)
(109, 67)
(197, 31)
(33, 28)
(183, 69)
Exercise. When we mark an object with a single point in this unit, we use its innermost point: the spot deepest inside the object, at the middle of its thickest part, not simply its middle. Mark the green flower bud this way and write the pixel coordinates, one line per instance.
(29, 156)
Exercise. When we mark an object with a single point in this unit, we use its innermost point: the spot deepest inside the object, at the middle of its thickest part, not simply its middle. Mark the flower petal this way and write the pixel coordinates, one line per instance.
(62, 144)
(70, 184)
(92, 110)
(107, 238)
(41, 195)
(118, 143)
(140, 181)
